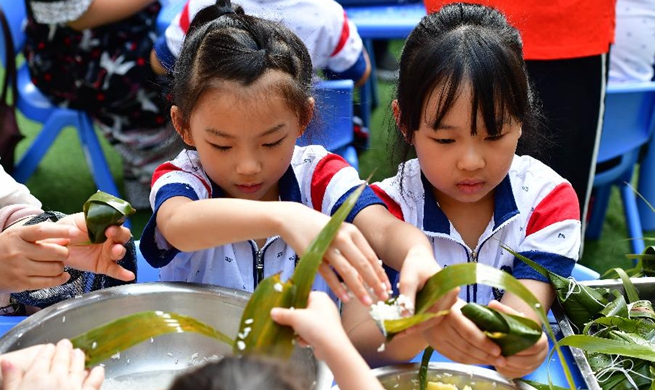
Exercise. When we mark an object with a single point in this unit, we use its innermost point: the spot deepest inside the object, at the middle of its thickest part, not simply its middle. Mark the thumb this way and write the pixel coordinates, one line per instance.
(11, 375)
(282, 316)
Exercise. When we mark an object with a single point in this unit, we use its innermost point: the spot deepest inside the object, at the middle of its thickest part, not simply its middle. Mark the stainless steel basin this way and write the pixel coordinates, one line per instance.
(152, 364)
(405, 377)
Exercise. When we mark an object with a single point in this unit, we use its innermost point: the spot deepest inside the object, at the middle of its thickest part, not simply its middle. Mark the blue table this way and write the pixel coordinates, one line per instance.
(6, 323)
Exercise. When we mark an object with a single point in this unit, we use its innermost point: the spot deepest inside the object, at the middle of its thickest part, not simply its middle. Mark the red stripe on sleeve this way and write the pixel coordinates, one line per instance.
(170, 167)
(323, 174)
(345, 34)
(392, 205)
(560, 205)
(184, 18)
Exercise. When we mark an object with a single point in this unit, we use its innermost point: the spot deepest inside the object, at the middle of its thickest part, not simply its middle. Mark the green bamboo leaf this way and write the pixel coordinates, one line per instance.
(107, 340)
(540, 386)
(580, 303)
(643, 329)
(423, 369)
(642, 309)
(629, 288)
(103, 210)
(512, 333)
(258, 332)
(617, 307)
(617, 347)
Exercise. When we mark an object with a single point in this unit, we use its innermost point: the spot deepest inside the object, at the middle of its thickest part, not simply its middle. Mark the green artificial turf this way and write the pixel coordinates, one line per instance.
(63, 182)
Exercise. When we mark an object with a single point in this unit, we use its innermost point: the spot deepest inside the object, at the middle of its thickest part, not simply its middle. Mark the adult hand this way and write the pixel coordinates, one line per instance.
(54, 367)
(98, 258)
(33, 257)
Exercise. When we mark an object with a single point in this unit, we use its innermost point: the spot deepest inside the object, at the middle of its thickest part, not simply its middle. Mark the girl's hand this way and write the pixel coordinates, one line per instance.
(350, 255)
(319, 325)
(98, 258)
(59, 367)
(33, 257)
(418, 267)
(526, 361)
(460, 340)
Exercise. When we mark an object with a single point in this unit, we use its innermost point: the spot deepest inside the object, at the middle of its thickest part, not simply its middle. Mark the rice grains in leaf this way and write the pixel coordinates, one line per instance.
(512, 333)
(103, 210)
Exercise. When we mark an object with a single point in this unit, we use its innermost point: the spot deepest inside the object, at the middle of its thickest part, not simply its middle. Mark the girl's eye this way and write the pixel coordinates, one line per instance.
(495, 137)
(220, 148)
(274, 144)
(443, 141)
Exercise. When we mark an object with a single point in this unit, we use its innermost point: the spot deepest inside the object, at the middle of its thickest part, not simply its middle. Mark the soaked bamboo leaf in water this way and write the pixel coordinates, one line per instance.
(107, 340)
(257, 331)
(512, 333)
(103, 210)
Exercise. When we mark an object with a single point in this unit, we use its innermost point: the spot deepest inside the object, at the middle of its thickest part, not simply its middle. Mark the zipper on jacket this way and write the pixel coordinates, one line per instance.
(259, 264)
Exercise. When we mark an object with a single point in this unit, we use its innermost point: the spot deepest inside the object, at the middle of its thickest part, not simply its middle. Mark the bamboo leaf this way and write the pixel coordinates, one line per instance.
(103, 210)
(258, 332)
(512, 333)
(629, 288)
(599, 345)
(104, 341)
(423, 369)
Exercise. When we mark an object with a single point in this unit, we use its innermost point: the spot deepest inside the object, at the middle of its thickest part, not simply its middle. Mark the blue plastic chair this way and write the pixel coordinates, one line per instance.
(332, 125)
(627, 126)
(35, 106)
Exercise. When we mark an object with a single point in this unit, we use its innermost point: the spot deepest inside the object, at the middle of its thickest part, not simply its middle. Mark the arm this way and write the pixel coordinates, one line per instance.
(102, 12)
(319, 326)
(195, 225)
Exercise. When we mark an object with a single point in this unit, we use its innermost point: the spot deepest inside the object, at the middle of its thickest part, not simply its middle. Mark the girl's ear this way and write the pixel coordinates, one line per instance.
(181, 126)
(396, 115)
(311, 103)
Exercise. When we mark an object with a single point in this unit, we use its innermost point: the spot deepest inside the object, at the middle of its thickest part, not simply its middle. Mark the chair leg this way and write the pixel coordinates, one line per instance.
(598, 211)
(647, 187)
(95, 158)
(632, 219)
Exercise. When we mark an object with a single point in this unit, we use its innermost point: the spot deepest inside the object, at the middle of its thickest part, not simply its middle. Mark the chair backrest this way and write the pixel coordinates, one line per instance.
(628, 120)
(16, 15)
(332, 125)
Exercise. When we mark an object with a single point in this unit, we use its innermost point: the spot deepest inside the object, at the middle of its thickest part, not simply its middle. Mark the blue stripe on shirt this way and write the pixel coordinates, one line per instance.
(558, 264)
(154, 256)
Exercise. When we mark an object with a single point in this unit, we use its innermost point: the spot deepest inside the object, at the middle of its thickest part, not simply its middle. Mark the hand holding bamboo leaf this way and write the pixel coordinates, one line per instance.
(103, 210)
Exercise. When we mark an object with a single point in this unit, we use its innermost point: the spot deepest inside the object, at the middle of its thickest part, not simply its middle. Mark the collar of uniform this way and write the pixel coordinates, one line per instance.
(289, 188)
(434, 219)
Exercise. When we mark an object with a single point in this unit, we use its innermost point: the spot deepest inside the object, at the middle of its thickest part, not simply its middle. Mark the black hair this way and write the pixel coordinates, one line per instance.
(248, 372)
(225, 44)
(459, 44)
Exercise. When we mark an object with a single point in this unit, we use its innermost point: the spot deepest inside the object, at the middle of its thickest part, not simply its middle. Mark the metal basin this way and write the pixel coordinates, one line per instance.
(152, 364)
(405, 377)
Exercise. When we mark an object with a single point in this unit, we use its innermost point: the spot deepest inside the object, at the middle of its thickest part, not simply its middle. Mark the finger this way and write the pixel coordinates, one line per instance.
(349, 275)
(94, 379)
(118, 234)
(117, 252)
(117, 272)
(44, 231)
(374, 275)
(39, 282)
(11, 375)
(44, 251)
(76, 369)
(45, 268)
(62, 358)
(43, 361)
(333, 281)
(282, 316)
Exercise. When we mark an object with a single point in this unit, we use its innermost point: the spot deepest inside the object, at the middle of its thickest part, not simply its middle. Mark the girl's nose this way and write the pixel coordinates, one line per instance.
(471, 159)
(248, 165)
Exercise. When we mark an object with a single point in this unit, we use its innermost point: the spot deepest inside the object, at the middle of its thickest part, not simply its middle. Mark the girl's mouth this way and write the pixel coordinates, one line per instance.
(470, 187)
(249, 188)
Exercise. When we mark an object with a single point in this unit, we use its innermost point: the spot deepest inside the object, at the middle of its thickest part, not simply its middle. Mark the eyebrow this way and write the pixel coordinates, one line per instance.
(219, 133)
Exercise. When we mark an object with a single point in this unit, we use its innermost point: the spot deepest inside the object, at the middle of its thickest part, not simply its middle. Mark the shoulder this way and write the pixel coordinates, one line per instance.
(536, 184)
(185, 169)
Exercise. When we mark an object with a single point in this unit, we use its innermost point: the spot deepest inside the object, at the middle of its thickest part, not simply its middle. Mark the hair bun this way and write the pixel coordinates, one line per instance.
(213, 12)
